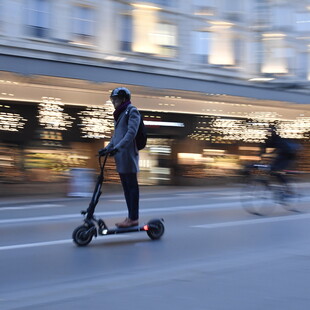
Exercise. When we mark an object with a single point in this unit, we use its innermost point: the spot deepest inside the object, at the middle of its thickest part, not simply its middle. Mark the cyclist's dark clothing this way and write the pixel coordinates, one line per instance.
(286, 155)
(286, 152)
(283, 162)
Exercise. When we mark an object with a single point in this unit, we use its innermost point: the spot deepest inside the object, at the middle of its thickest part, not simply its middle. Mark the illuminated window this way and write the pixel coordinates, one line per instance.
(276, 54)
(83, 24)
(143, 31)
(222, 47)
(38, 18)
(144, 22)
(165, 37)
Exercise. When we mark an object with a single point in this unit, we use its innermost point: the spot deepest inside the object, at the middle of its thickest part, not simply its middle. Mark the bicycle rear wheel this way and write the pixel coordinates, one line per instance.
(257, 197)
(294, 199)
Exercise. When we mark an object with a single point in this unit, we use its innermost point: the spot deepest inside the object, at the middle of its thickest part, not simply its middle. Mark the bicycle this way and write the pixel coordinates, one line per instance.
(261, 192)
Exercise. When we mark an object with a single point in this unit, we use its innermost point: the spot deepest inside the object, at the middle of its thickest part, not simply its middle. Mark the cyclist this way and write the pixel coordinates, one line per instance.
(286, 154)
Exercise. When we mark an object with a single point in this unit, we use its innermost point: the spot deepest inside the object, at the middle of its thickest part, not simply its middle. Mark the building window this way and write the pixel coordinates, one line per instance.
(238, 45)
(257, 50)
(201, 46)
(222, 46)
(145, 32)
(165, 37)
(126, 33)
(302, 65)
(38, 18)
(83, 24)
(276, 54)
(233, 10)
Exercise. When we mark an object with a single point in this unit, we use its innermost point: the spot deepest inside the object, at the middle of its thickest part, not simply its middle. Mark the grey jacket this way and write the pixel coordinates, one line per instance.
(125, 130)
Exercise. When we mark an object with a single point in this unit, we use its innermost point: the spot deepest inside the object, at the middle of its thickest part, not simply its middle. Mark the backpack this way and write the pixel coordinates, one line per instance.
(291, 147)
(141, 136)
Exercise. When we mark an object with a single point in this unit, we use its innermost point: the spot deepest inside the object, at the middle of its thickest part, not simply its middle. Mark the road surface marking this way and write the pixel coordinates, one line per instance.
(177, 196)
(218, 205)
(146, 199)
(40, 218)
(32, 245)
(209, 226)
(39, 206)
(120, 213)
(48, 243)
(255, 221)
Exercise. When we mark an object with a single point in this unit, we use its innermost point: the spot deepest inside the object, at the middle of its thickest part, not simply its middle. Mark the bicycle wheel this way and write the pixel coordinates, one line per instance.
(257, 197)
(294, 199)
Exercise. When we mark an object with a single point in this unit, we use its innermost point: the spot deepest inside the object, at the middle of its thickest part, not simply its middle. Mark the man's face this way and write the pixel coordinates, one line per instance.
(116, 101)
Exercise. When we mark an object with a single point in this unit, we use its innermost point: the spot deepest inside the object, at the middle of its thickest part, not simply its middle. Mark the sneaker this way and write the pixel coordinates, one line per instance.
(127, 223)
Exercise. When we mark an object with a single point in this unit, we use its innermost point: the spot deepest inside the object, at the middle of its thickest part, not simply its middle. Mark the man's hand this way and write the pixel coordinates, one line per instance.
(103, 152)
(113, 152)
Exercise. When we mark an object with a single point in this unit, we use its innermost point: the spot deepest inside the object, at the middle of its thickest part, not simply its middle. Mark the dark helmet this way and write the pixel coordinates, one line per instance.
(273, 127)
(272, 130)
(121, 92)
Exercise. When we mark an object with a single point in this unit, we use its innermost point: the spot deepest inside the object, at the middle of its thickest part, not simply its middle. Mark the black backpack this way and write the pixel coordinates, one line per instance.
(290, 147)
(141, 137)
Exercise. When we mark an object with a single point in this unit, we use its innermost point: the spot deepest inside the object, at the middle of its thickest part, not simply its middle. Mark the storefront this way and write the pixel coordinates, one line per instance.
(46, 150)
(185, 149)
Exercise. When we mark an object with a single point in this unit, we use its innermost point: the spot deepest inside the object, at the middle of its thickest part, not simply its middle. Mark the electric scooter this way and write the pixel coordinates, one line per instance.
(93, 227)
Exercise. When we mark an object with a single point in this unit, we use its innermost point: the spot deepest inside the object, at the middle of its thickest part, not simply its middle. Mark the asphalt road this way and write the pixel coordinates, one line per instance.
(213, 255)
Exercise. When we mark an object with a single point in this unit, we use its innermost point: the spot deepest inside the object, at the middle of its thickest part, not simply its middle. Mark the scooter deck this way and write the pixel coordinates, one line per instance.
(116, 230)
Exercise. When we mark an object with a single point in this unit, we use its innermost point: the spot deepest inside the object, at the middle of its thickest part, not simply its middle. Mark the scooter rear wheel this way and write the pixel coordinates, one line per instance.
(82, 235)
(156, 229)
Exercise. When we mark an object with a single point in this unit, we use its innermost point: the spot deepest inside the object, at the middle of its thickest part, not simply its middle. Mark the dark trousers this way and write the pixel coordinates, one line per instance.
(131, 191)
(280, 163)
(283, 162)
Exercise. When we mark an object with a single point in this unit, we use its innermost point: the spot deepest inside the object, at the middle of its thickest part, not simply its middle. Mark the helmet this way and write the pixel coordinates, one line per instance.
(122, 92)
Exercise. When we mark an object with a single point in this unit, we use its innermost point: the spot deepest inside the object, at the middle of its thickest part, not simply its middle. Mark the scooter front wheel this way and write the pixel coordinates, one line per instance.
(82, 235)
(156, 229)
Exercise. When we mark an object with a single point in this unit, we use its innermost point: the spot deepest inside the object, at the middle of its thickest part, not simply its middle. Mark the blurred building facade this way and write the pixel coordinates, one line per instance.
(244, 39)
(209, 76)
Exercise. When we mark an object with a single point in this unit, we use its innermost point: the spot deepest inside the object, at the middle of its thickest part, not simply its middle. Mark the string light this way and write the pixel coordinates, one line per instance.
(10, 121)
(97, 122)
(51, 115)
(296, 129)
(251, 130)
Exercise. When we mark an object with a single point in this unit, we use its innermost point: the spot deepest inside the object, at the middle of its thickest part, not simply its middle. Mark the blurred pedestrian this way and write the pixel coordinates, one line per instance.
(124, 149)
